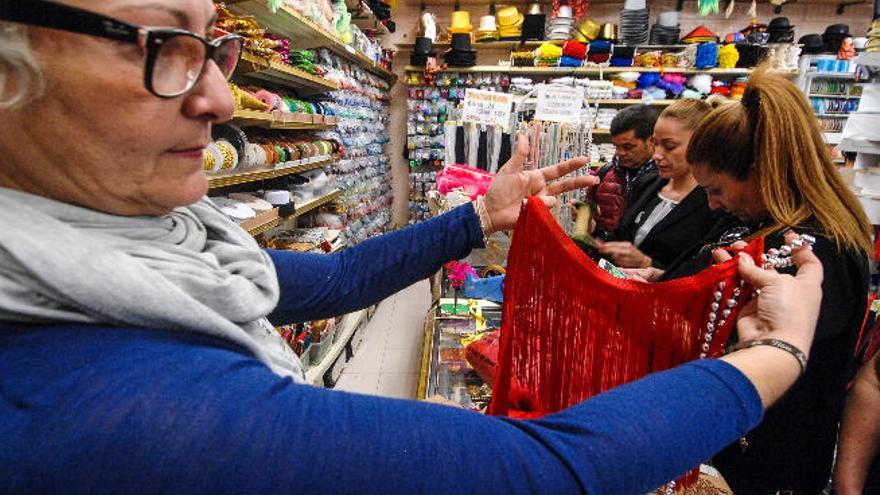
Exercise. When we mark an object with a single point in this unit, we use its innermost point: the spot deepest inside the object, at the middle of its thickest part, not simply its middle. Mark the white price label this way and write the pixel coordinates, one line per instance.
(487, 107)
(560, 104)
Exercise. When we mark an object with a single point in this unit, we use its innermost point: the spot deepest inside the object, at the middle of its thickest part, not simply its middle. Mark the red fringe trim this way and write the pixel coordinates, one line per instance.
(571, 331)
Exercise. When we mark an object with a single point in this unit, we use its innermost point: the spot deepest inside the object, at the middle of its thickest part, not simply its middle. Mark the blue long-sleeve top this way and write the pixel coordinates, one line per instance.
(99, 409)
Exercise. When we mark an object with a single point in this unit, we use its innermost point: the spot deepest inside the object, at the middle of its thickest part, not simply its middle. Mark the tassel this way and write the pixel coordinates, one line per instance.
(571, 331)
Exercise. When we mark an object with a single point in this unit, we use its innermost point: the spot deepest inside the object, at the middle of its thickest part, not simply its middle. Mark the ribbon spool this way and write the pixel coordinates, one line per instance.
(575, 50)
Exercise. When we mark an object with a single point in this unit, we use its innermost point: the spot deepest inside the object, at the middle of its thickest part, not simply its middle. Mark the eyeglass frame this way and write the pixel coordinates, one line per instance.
(71, 19)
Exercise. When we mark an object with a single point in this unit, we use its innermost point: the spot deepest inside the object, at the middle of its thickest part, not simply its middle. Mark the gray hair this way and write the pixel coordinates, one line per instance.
(21, 78)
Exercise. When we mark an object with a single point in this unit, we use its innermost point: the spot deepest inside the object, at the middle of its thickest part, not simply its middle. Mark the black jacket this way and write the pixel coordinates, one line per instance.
(680, 231)
(793, 448)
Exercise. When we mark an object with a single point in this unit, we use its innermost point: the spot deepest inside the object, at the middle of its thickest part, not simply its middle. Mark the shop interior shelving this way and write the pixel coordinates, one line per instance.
(350, 324)
(254, 67)
(311, 205)
(305, 33)
(282, 120)
(574, 71)
(218, 181)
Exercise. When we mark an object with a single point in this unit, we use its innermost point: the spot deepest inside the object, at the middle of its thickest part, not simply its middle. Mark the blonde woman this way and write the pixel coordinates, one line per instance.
(764, 160)
(669, 215)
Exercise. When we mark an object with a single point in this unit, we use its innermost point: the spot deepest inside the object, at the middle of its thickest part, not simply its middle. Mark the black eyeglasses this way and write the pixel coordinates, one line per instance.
(175, 58)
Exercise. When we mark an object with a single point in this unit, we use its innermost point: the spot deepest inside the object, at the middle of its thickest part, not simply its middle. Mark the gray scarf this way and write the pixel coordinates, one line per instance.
(192, 270)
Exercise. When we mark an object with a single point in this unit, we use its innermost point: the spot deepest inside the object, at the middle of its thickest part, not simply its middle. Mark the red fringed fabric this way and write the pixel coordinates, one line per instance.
(570, 330)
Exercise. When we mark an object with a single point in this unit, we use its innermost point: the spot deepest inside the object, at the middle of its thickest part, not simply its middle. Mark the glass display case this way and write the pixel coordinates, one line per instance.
(445, 373)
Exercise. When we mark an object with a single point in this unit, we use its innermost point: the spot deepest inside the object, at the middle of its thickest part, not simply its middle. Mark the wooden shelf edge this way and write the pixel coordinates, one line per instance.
(350, 325)
(569, 71)
(217, 182)
(307, 34)
(315, 203)
(265, 227)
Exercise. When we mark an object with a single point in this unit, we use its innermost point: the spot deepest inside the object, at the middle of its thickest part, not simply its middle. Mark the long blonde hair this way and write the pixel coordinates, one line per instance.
(689, 111)
(773, 135)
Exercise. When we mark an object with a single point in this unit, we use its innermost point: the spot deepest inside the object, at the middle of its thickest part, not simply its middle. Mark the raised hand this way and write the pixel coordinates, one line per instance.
(512, 184)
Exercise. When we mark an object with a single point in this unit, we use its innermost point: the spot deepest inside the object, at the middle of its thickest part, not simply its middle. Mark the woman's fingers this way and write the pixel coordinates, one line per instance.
(566, 167)
(720, 255)
(571, 184)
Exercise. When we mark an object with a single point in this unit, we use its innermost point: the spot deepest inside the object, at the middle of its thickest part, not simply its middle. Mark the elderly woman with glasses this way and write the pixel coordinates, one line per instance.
(137, 353)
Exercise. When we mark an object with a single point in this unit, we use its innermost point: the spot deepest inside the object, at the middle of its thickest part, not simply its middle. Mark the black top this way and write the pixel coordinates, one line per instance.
(793, 448)
(680, 231)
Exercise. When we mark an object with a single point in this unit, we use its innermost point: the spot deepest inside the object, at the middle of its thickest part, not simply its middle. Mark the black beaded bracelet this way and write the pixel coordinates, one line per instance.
(779, 344)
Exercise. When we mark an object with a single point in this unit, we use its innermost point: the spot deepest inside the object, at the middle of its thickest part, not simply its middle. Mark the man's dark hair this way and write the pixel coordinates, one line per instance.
(638, 118)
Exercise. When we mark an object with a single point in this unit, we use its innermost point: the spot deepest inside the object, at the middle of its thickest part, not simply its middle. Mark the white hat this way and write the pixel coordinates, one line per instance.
(487, 23)
(668, 19)
(634, 4)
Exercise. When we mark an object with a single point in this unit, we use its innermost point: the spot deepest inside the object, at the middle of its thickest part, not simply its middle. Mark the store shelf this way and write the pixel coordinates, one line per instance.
(833, 137)
(254, 67)
(869, 59)
(311, 205)
(216, 182)
(860, 146)
(568, 71)
(833, 75)
(509, 45)
(350, 325)
(264, 227)
(367, 20)
(282, 120)
(305, 33)
(842, 97)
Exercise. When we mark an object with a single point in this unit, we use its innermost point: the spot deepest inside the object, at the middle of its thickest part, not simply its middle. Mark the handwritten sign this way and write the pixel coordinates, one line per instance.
(487, 107)
(559, 104)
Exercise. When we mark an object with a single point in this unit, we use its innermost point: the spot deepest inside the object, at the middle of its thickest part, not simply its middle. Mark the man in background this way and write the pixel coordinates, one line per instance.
(632, 132)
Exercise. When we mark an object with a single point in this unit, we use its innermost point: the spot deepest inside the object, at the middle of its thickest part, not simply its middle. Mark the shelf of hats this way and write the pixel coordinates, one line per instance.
(621, 53)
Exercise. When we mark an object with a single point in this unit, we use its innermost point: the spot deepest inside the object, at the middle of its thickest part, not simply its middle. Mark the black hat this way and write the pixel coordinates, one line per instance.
(812, 43)
(750, 55)
(780, 24)
(533, 27)
(461, 54)
(423, 46)
(621, 51)
(837, 30)
(461, 42)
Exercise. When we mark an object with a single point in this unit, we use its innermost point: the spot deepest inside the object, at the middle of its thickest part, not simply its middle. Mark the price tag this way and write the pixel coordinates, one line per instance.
(560, 104)
(487, 107)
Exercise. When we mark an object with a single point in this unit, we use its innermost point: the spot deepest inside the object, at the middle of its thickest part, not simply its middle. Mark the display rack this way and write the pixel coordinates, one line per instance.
(586, 71)
(258, 68)
(283, 120)
(218, 181)
(351, 323)
(305, 33)
(366, 20)
(833, 95)
(311, 205)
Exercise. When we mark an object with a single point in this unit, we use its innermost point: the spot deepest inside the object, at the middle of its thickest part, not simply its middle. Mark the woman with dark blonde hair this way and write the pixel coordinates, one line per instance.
(669, 214)
(764, 160)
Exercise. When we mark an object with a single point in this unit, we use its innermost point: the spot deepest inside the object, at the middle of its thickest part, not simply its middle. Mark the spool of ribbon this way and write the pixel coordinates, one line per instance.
(574, 49)
(548, 51)
(271, 100)
(600, 47)
(598, 58)
(621, 62)
(566, 61)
